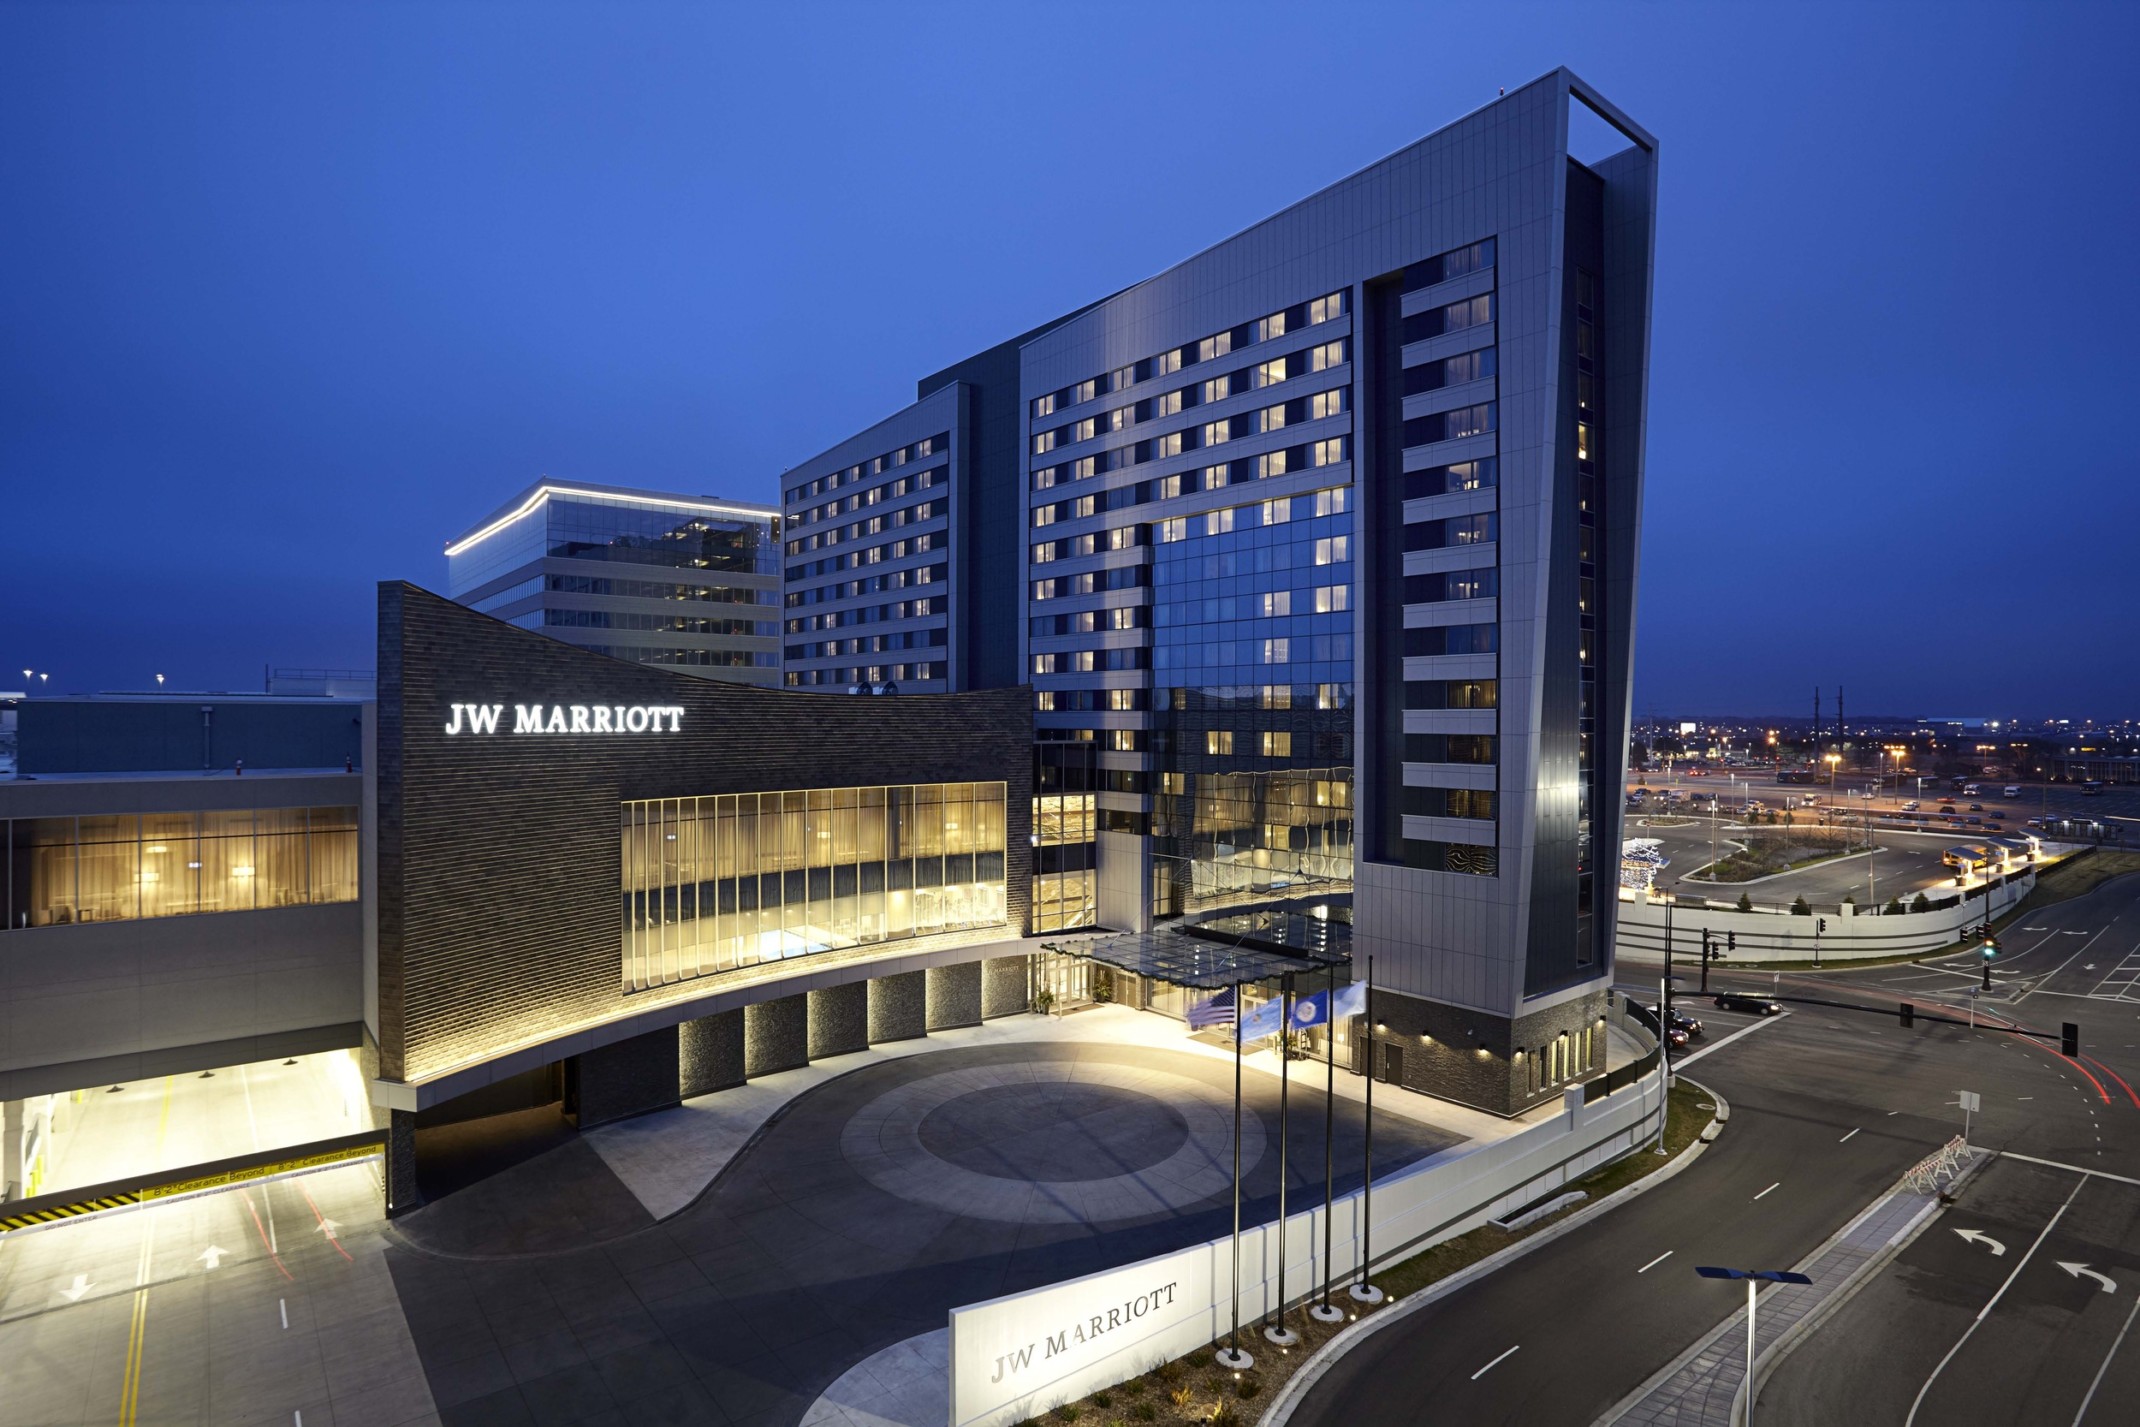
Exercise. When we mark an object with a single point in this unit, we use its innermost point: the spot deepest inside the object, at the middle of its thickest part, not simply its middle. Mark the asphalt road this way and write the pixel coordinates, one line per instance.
(1830, 1105)
(1905, 864)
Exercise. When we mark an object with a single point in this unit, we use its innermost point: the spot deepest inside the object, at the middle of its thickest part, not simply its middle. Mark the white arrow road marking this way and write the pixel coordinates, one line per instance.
(1655, 1261)
(1978, 1236)
(211, 1255)
(328, 1226)
(2081, 1270)
(73, 1292)
(1490, 1366)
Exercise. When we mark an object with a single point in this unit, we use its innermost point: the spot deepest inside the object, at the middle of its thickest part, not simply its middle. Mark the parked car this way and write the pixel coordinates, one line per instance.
(1912, 806)
(1976, 807)
(1751, 1005)
(2011, 790)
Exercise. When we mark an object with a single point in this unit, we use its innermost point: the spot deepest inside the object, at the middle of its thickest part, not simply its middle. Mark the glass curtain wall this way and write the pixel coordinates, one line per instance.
(713, 884)
(1066, 891)
(127, 866)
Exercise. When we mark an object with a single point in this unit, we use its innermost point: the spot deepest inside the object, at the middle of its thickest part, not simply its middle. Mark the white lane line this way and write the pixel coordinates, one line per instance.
(1681, 1061)
(284, 1305)
(2116, 1343)
(1655, 1261)
(1847, 1138)
(1490, 1366)
(1768, 1191)
(1985, 1312)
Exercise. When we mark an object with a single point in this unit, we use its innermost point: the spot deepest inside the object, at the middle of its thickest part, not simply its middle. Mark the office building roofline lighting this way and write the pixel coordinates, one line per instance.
(546, 489)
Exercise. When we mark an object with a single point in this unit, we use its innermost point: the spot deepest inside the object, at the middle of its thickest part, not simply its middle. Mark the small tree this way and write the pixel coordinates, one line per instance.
(1894, 907)
(1922, 903)
(1746, 903)
(1800, 909)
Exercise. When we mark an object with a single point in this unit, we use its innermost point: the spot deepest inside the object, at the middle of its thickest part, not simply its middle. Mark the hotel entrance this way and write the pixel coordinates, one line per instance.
(1063, 982)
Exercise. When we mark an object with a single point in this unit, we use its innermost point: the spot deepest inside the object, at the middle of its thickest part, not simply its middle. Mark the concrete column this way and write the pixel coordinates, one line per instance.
(14, 1175)
(709, 1053)
(898, 1007)
(839, 1019)
(1005, 986)
(776, 1035)
(625, 1078)
(402, 1195)
(954, 995)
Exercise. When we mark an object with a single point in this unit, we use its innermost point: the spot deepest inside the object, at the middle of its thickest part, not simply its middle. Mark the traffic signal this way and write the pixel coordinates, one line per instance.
(1731, 941)
(1823, 927)
(1909, 1013)
(2069, 1040)
(1991, 948)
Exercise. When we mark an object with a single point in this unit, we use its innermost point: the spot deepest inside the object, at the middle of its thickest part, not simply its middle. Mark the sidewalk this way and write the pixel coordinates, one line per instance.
(668, 1158)
(1702, 1388)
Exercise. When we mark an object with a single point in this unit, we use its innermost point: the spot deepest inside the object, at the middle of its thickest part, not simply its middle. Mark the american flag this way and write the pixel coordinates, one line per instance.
(1217, 1011)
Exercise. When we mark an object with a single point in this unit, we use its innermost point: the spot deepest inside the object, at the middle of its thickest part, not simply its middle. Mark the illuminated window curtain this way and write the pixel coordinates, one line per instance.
(227, 869)
(108, 868)
(279, 874)
(170, 864)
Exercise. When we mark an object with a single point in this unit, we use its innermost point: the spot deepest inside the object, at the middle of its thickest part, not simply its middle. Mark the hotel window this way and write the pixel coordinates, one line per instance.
(1168, 405)
(717, 884)
(1121, 700)
(1044, 663)
(1083, 506)
(1269, 373)
(1084, 430)
(1124, 617)
(1166, 363)
(1218, 742)
(1043, 552)
(1277, 745)
(1271, 418)
(1085, 390)
(1122, 740)
(1329, 452)
(1271, 326)
(1122, 379)
(1043, 515)
(1122, 537)
(1166, 487)
(1045, 477)
(1212, 348)
(1119, 419)
(1173, 530)
(1272, 463)
(1217, 389)
(1323, 309)
(1277, 512)
(1328, 355)
(1043, 442)
(1331, 550)
(1332, 599)
(1044, 701)
(1277, 604)
(1329, 696)
(1277, 651)
(1167, 445)
(1084, 468)
(1218, 522)
(1276, 696)
(1326, 403)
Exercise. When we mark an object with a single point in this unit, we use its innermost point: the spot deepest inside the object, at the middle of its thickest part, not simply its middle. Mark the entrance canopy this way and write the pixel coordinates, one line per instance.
(1252, 944)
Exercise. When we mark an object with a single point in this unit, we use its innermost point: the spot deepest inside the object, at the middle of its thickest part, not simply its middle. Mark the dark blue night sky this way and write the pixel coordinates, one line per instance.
(294, 292)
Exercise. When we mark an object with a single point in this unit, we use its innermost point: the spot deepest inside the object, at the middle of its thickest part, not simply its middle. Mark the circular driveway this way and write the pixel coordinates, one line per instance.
(1051, 1141)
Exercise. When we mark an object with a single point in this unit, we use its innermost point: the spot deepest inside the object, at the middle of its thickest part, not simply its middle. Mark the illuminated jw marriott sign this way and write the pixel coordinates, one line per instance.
(569, 718)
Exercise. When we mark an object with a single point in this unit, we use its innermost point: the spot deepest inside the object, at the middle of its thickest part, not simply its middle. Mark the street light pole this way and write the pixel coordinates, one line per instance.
(1754, 1278)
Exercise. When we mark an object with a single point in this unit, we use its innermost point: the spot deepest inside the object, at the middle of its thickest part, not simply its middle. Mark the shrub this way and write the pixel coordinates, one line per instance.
(1144, 1412)
(1200, 1359)
(1921, 903)
(1746, 903)
(1894, 907)
(1167, 1372)
(1069, 1412)
(1102, 1400)
(1800, 909)
(1183, 1395)
(1224, 1416)
(1134, 1387)
(1248, 1386)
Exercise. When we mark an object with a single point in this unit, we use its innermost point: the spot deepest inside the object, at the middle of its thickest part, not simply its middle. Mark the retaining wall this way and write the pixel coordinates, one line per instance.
(1781, 936)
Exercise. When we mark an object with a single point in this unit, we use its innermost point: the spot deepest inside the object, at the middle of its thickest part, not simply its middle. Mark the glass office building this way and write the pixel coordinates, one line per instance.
(719, 883)
(684, 582)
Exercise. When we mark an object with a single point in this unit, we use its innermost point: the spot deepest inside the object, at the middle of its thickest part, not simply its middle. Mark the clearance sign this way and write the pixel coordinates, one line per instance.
(487, 719)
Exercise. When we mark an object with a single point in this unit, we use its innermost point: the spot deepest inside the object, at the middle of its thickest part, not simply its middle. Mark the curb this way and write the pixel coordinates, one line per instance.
(1311, 1372)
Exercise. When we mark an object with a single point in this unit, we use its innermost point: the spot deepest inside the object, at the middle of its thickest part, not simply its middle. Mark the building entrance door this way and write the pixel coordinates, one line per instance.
(1393, 1064)
(1067, 980)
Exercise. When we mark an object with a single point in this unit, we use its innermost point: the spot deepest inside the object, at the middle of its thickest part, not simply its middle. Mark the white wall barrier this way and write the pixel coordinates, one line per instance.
(1020, 1356)
(1782, 936)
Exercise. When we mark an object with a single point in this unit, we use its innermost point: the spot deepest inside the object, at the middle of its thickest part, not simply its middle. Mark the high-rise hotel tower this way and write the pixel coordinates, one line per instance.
(1318, 551)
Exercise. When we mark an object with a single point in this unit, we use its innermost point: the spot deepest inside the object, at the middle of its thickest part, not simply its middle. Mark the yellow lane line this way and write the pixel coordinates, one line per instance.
(137, 1330)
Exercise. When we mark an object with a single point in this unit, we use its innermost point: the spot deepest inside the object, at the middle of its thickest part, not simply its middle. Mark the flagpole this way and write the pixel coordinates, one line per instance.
(1363, 1291)
(1232, 1357)
(1283, 1336)
(1323, 1312)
